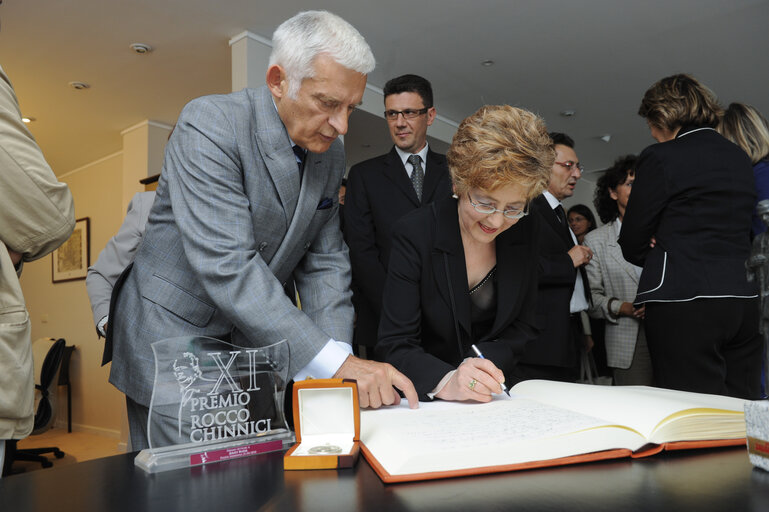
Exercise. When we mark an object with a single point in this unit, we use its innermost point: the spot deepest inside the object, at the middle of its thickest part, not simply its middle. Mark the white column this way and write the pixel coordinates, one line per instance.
(143, 148)
(250, 57)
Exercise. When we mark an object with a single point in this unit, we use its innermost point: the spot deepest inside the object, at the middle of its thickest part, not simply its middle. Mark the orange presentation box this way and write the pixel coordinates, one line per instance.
(327, 424)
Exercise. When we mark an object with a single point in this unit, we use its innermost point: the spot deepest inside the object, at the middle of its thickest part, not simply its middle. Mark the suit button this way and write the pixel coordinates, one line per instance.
(306, 246)
(262, 246)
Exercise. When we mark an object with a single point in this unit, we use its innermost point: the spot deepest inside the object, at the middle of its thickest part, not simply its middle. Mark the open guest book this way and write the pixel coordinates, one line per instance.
(545, 423)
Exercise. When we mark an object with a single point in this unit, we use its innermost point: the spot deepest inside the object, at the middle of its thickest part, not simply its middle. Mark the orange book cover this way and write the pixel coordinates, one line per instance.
(544, 424)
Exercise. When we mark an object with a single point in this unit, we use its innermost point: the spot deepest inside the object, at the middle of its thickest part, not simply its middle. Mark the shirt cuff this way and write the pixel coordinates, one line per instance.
(101, 324)
(326, 363)
(614, 306)
(442, 384)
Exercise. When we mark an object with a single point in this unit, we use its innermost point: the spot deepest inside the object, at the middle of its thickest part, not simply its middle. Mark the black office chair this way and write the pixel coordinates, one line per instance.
(45, 413)
(64, 381)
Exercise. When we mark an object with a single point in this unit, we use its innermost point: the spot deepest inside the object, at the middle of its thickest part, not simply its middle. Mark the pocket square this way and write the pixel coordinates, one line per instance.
(325, 203)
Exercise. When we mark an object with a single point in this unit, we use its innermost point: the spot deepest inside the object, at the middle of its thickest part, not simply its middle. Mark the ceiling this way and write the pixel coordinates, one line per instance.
(596, 57)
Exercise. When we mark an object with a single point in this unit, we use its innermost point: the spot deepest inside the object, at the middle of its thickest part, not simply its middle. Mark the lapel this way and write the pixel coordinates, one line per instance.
(435, 167)
(615, 253)
(299, 202)
(549, 215)
(314, 178)
(512, 264)
(448, 249)
(396, 172)
(274, 145)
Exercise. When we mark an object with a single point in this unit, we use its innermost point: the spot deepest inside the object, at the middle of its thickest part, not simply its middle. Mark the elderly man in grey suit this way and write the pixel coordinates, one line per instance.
(239, 213)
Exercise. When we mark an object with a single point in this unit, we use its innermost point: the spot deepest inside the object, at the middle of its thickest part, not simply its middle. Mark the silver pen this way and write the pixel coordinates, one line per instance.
(501, 384)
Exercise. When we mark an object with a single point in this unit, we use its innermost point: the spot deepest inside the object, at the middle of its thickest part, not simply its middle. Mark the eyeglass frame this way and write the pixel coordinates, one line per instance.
(392, 115)
(568, 165)
(518, 215)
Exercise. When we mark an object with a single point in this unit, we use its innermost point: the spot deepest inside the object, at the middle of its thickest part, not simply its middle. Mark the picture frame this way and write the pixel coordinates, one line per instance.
(71, 260)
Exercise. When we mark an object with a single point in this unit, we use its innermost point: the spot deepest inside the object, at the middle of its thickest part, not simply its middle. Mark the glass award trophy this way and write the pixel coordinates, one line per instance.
(214, 401)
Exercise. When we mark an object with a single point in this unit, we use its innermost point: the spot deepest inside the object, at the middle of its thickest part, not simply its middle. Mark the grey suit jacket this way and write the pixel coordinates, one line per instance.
(232, 222)
(610, 277)
(117, 254)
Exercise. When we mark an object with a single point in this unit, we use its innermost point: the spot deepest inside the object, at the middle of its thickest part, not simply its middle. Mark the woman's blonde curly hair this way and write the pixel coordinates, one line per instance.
(501, 145)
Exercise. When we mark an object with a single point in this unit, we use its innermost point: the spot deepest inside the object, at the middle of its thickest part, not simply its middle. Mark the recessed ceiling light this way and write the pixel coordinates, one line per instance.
(487, 63)
(568, 112)
(140, 48)
(27, 119)
(79, 85)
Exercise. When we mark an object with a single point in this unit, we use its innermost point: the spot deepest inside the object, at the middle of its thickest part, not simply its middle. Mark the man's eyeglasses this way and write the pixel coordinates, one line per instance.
(409, 113)
(487, 209)
(569, 165)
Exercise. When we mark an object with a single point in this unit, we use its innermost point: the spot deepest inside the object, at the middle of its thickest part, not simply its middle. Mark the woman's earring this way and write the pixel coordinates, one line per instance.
(455, 196)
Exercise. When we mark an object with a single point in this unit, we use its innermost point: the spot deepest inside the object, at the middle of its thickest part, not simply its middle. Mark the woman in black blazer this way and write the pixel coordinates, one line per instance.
(463, 270)
(688, 224)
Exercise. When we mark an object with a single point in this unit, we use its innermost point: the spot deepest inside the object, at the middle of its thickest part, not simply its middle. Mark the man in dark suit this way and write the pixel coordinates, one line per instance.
(563, 289)
(381, 190)
(247, 201)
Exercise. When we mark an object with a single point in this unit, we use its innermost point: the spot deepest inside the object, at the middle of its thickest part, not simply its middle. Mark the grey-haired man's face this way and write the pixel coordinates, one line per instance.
(321, 109)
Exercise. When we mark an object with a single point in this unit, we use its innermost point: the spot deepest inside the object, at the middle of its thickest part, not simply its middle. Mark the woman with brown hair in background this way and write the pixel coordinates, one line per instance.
(687, 224)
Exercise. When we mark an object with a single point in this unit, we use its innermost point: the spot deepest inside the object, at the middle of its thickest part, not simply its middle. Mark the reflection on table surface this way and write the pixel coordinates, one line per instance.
(716, 479)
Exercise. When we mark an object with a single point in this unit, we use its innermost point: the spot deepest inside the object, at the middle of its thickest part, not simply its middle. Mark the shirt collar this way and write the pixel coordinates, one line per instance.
(405, 156)
(551, 200)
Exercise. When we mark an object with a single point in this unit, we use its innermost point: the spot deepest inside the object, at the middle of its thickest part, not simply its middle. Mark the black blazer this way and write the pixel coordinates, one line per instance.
(379, 192)
(555, 345)
(695, 195)
(417, 331)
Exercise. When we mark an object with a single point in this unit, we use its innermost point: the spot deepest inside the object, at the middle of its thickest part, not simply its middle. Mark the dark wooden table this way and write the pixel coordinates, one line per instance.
(707, 480)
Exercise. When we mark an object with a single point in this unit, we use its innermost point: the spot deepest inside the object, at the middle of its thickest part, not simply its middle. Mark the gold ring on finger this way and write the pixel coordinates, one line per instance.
(472, 384)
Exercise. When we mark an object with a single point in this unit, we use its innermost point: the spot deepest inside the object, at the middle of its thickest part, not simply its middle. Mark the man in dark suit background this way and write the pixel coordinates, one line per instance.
(563, 290)
(381, 190)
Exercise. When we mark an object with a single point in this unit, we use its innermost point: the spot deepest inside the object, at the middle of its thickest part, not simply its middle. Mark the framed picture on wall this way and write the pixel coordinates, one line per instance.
(72, 259)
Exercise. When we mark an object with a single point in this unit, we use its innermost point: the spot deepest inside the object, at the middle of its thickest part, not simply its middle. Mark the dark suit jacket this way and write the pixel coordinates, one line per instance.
(555, 345)
(695, 195)
(417, 331)
(379, 192)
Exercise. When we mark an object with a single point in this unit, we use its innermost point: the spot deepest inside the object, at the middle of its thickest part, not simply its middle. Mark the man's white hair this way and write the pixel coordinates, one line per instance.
(298, 40)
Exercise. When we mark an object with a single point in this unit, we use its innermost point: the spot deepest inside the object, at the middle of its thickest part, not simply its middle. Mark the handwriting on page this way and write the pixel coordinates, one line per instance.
(490, 424)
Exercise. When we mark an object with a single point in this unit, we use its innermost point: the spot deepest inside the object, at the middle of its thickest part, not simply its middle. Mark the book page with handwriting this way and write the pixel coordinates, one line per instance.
(646, 409)
(543, 420)
(442, 436)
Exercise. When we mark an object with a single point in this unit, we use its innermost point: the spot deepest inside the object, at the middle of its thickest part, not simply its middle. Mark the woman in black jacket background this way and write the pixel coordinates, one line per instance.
(688, 225)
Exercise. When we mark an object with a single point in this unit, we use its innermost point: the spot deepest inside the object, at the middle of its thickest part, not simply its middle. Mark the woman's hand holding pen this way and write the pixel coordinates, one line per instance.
(475, 379)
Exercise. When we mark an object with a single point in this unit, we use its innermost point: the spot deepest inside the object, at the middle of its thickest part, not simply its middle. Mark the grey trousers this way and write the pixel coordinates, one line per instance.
(164, 428)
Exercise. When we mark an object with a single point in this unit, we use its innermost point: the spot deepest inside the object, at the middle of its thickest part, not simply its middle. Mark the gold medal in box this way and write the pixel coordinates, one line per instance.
(327, 424)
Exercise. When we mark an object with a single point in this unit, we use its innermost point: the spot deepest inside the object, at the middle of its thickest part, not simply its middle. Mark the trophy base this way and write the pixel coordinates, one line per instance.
(156, 460)
(757, 428)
